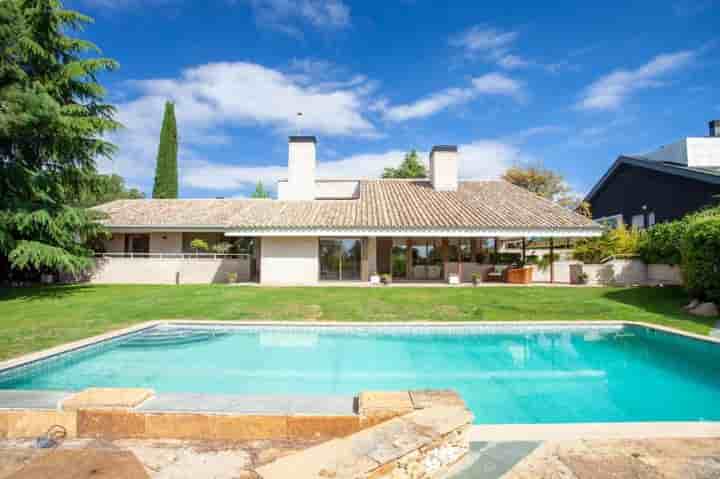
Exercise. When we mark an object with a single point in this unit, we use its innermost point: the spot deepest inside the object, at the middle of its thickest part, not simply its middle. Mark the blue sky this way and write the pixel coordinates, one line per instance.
(568, 86)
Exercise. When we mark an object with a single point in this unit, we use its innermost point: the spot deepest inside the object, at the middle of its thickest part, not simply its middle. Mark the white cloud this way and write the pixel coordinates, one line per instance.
(511, 62)
(285, 15)
(215, 96)
(610, 91)
(489, 84)
(484, 40)
(481, 159)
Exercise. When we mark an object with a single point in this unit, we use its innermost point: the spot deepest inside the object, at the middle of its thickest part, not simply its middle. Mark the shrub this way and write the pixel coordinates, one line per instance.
(620, 241)
(221, 248)
(701, 258)
(199, 245)
(662, 243)
(232, 277)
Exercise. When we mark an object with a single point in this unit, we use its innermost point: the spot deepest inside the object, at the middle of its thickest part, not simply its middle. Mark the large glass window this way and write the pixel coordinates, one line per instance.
(427, 259)
(399, 259)
(340, 259)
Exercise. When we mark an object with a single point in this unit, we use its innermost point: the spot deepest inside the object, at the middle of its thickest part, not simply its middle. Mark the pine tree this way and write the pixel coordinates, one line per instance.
(52, 123)
(166, 170)
(411, 167)
(260, 191)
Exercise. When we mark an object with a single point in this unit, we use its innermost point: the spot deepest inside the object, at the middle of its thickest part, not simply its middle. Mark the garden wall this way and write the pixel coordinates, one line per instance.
(614, 272)
(165, 270)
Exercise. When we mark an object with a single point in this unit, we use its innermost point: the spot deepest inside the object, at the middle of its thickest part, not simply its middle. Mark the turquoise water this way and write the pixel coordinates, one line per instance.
(506, 374)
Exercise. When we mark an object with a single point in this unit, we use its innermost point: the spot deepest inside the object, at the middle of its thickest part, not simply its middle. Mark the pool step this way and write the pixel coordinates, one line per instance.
(171, 337)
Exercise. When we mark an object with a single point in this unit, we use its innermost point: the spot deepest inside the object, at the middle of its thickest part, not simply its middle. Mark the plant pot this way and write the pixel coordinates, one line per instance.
(374, 279)
(453, 279)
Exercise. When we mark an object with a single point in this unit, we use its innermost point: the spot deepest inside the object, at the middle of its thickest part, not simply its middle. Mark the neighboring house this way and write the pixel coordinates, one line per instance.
(664, 185)
(333, 229)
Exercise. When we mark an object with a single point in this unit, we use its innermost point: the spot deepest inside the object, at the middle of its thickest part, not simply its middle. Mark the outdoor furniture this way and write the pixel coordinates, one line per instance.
(497, 273)
(519, 275)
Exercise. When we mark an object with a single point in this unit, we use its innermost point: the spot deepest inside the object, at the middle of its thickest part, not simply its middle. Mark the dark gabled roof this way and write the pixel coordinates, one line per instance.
(704, 174)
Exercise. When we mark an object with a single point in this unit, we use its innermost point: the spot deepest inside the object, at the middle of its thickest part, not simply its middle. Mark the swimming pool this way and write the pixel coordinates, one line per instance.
(506, 373)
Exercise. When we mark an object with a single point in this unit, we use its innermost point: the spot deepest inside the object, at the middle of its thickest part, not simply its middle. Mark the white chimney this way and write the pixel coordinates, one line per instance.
(444, 167)
(301, 169)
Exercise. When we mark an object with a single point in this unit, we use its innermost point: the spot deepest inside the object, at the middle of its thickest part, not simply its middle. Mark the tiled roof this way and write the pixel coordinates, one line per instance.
(382, 204)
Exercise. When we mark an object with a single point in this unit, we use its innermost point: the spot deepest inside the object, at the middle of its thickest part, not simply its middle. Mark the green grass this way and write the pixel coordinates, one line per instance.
(36, 318)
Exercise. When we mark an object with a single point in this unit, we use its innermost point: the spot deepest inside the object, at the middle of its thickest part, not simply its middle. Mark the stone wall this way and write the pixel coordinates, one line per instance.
(419, 434)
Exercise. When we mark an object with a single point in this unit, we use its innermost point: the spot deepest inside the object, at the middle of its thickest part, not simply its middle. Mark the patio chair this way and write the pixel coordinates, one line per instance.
(497, 273)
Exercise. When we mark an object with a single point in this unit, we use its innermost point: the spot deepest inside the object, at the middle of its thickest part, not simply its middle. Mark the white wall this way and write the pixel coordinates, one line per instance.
(289, 260)
(703, 151)
(664, 274)
(336, 189)
(696, 151)
(164, 271)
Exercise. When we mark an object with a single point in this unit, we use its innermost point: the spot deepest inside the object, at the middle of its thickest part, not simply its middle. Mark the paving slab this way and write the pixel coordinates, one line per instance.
(491, 460)
(251, 404)
(107, 398)
(18, 399)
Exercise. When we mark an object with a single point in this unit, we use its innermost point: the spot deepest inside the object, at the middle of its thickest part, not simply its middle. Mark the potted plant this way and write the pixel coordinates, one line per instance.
(232, 277)
(453, 278)
(476, 279)
(199, 245)
(221, 248)
(582, 278)
(375, 278)
(386, 279)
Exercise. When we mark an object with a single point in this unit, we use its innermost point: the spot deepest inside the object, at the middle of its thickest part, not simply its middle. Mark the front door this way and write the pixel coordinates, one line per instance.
(137, 243)
(340, 259)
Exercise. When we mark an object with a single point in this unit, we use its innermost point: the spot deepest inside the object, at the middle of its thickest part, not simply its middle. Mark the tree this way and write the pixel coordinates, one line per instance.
(106, 188)
(260, 191)
(537, 179)
(411, 167)
(166, 169)
(52, 123)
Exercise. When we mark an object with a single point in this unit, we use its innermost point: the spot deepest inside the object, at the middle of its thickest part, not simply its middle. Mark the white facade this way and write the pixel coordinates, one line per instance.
(109, 270)
(693, 152)
(289, 260)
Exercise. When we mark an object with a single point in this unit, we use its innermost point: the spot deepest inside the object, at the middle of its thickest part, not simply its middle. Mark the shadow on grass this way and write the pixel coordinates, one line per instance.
(665, 301)
(43, 292)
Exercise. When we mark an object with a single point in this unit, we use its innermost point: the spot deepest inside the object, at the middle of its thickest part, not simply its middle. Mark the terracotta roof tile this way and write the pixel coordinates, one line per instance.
(382, 204)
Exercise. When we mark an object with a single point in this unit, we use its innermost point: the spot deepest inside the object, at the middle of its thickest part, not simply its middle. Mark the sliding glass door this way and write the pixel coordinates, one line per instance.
(340, 259)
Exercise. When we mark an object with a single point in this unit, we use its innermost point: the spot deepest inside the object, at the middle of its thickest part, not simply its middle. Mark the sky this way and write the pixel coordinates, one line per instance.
(565, 84)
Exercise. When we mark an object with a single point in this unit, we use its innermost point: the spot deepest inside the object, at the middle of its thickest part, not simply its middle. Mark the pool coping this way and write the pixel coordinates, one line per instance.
(478, 432)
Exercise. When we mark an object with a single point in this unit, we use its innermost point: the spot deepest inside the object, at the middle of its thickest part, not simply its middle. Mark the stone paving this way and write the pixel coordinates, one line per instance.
(594, 459)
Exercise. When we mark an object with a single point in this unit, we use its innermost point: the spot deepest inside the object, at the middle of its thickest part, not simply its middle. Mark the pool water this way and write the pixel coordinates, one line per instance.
(516, 374)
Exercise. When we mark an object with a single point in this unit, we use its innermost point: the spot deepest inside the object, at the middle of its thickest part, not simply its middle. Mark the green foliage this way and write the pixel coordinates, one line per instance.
(199, 245)
(260, 191)
(411, 167)
(620, 241)
(221, 248)
(662, 243)
(232, 277)
(106, 188)
(52, 123)
(537, 179)
(543, 263)
(166, 170)
(701, 258)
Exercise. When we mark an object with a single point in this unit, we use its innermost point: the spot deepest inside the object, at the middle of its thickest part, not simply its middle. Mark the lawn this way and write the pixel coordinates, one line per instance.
(36, 318)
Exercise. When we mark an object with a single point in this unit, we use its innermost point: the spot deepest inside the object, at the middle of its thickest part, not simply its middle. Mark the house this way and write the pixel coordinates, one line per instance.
(333, 229)
(663, 185)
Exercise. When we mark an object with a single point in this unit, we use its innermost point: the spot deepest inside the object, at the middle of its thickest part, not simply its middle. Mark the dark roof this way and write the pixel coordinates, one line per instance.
(706, 174)
(382, 204)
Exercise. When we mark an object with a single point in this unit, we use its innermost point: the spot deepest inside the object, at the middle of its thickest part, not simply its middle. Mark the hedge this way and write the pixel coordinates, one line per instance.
(701, 258)
(662, 243)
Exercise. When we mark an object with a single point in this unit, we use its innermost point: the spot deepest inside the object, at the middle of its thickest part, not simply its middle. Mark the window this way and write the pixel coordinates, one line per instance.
(638, 221)
(611, 222)
(651, 219)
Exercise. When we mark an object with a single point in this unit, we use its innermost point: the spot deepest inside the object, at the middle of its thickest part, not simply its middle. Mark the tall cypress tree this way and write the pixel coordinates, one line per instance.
(166, 170)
